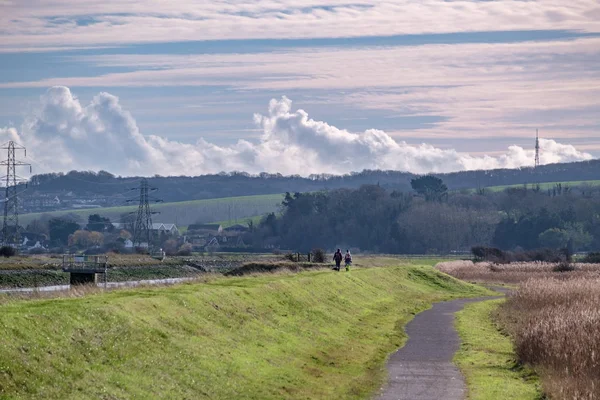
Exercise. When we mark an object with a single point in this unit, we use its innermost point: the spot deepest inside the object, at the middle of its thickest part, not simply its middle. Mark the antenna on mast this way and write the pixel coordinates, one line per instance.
(537, 149)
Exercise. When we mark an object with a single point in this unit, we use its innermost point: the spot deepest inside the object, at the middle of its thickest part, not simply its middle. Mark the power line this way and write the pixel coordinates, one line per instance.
(10, 227)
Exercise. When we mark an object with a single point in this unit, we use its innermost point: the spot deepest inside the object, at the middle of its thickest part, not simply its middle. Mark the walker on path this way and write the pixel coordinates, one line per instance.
(348, 260)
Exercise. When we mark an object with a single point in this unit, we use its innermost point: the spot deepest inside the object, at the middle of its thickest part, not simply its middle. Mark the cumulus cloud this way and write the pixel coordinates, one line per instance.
(64, 135)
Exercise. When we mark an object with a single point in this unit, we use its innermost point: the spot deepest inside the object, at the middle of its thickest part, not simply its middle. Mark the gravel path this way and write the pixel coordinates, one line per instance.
(423, 368)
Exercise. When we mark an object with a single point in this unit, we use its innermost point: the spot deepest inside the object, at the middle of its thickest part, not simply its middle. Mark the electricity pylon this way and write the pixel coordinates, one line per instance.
(142, 231)
(10, 228)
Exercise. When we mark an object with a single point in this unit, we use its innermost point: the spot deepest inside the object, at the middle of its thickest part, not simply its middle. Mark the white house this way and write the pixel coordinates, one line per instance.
(159, 227)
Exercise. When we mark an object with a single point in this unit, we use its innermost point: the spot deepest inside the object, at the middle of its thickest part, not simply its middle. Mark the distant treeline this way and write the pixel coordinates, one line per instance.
(182, 188)
(432, 220)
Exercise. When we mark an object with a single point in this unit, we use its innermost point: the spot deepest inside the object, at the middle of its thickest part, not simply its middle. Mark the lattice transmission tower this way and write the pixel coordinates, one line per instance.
(537, 149)
(10, 227)
(142, 231)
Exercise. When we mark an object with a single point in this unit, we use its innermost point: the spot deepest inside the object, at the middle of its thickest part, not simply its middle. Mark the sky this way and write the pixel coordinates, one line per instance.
(145, 87)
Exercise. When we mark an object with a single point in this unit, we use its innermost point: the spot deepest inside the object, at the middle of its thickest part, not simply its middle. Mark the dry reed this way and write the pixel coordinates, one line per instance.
(515, 273)
(555, 325)
(553, 318)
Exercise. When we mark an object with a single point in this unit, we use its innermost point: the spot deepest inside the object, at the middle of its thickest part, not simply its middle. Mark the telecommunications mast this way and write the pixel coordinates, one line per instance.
(537, 149)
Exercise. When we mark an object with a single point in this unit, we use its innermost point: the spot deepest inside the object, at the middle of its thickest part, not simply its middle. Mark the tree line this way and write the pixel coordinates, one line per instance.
(432, 219)
(181, 188)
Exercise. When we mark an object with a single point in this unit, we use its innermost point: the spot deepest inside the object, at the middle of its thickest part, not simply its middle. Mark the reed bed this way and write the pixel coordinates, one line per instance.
(517, 272)
(553, 318)
(555, 325)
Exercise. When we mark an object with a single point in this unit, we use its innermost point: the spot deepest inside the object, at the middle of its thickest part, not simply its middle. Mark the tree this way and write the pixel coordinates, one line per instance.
(128, 221)
(430, 187)
(79, 238)
(98, 223)
(96, 239)
(60, 229)
(554, 238)
(38, 226)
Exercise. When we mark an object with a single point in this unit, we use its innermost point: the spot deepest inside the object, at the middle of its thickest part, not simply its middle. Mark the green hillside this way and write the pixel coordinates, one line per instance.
(185, 212)
(545, 185)
(311, 335)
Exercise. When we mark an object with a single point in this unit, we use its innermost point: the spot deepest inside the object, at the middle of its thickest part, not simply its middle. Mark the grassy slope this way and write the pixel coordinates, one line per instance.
(241, 221)
(316, 334)
(487, 360)
(185, 212)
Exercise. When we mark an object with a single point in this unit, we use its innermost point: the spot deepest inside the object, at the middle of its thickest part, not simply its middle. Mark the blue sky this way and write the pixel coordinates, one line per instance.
(173, 87)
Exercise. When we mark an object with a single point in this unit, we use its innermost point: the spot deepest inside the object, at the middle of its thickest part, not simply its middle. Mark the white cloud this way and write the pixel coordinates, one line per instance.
(492, 90)
(65, 135)
(37, 23)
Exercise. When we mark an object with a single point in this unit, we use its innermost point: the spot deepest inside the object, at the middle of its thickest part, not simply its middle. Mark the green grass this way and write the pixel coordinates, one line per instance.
(311, 335)
(544, 185)
(241, 221)
(487, 360)
(184, 212)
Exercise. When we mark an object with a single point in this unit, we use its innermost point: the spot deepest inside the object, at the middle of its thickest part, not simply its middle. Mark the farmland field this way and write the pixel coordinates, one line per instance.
(185, 212)
(545, 185)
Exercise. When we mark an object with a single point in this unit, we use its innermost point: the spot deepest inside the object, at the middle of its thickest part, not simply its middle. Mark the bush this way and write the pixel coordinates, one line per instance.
(591, 258)
(290, 256)
(95, 251)
(318, 255)
(170, 247)
(482, 253)
(564, 266)
(185, 250)
(142, 250)
(37, 250)
(498, 256)
(8, 251)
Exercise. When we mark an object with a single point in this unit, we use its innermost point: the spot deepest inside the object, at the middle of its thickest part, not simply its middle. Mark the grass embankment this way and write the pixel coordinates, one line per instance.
(487, 359)
(317, 334)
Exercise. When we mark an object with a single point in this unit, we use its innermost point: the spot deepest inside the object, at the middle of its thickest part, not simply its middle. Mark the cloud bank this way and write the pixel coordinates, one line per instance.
(34, 24)
(64, 135)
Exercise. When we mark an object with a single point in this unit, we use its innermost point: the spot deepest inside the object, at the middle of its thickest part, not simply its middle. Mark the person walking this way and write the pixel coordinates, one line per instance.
(337, 257)
(348, 260)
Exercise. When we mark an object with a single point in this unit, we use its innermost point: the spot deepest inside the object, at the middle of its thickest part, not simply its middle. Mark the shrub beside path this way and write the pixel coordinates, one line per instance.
(423, 368)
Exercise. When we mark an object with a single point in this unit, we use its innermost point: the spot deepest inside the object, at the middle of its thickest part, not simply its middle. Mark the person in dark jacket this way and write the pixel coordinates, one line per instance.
(337, 257)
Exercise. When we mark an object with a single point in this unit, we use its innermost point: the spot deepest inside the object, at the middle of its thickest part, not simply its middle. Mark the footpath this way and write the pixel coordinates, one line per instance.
(423, 368)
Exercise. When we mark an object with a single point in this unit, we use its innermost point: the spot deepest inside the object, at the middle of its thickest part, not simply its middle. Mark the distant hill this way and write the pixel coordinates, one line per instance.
(233, 209)
(86, 189)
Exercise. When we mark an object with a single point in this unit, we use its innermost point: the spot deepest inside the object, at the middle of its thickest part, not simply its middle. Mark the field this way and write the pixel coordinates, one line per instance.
(553, 318)
(545, 185)
(235, 209)
(317, 335)
(46, 270)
